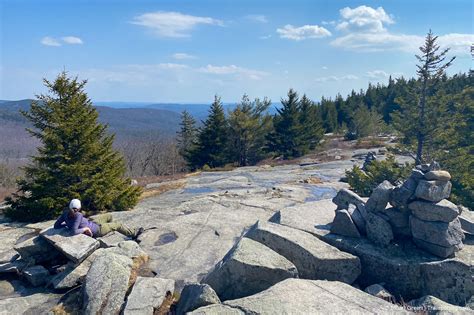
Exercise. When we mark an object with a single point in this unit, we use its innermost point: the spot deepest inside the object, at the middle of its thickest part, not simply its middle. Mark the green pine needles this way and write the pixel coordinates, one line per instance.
(75, 158)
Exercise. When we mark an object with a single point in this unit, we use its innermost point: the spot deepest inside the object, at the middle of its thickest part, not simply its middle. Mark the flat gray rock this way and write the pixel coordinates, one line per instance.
(313, 258)
(9, 256)
(438, 233)
(379, 231)
(248, 268)
(36, 275)
(343, 224)
(36, 248)
(299, 296)
(399, 221)
(433, 191)
(444, 210)
(148, 294)
(76, 247)
(434, 306)
(380, 197)
(358, 218)
(344, 197)
(112, 239)
(403, 193)
(196, 295)
(38, 303)
(467, 221)
(217, 309)
(437, 250)
(106, 283)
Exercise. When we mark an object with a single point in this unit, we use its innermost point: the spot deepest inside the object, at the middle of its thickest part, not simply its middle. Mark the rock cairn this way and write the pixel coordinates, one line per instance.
(417, 208)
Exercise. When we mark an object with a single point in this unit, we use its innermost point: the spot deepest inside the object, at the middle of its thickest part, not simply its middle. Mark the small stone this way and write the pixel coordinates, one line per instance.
(196, 295)
(399, 221)
(380, 197)
(148, 294)
(36, 275)
(417, 174)
(434, 166)
(438, 233)
(433, 190)
(423, 167)
(437, 250)
(344, 197)
(403, 193)
(438, 175)
(343, 225)
(380, 292)
(379, 231)
(443, 210)
(357, 218)
(112, 239)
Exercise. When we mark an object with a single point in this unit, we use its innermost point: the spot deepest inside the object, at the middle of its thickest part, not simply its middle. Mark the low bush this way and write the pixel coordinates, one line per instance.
(363, 182)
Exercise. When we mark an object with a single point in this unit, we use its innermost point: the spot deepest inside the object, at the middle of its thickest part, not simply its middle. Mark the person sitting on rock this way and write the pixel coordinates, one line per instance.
(101, 225)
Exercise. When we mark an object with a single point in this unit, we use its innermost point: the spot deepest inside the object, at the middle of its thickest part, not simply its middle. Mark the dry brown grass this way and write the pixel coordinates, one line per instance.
(369, 143)
(5, 192)
(168, 305)
(164, 187)
(70, 303)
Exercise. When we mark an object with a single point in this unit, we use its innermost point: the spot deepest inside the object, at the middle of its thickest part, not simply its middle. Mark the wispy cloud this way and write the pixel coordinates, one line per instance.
(70, 40)
(183, 56)
(303, 32)
(266, 36)
(173, 24)
(259, 18)
(49, 41)
(233, 69)
(336, 78)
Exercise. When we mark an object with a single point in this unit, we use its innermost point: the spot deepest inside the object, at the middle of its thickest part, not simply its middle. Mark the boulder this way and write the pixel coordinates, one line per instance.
(437, 250)
(343, 224)
(194, 296)
(313, 258)
(380, 197)
(439, 233)
(36, 248)
(438, 175)
(401, 194)
(106, 283)
(433, 191)
(432, 305)
(36, 275)
(9, 256)
(217, 309)
(112, 239)
(399, 221)
(300, 296)
(467, 221)
(444, 210)
(379, 230)
(130, 249)
(6, 288)
(249, 267)
(148, 294)
(76, 247)
(358, 218)
(38, 303)
(344, 197)
(379, 291)
(15, 266)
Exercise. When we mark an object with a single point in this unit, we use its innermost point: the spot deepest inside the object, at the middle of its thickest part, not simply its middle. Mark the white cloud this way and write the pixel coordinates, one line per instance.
(182, 56)
(364, 18)
(72, 40)
(328, 22)
(172, 24)
(266, 36)
(377, 74)
(369, 42)
(49, 41)
(324, 67)
(259, 18)
(336, 78)
(459, 43)
(233, 69)
(303, 32)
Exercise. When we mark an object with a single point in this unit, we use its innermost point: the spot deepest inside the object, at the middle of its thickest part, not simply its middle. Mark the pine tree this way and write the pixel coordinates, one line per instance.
(329, 114)
(311, 123)
(287, 139)
(419, 114)
(187, 135)
(212, 143)
(248, 128)
(75, 159)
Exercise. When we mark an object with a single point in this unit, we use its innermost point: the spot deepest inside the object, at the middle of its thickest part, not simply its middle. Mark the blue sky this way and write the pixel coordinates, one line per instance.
(187, 51)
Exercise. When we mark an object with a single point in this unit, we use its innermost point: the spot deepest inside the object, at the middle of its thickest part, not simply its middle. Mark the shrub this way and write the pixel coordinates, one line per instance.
(377, 171)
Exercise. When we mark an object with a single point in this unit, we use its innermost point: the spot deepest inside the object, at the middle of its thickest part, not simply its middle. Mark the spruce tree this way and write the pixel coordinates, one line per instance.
(311, 123)
(212, 142)
(186, 135)
(248, 127)
(288, 138)
(420, 113)
(75, 158)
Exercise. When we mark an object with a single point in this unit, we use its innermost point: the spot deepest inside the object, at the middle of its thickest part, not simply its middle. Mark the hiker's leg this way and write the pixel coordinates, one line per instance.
(117, 226)
(102, 218)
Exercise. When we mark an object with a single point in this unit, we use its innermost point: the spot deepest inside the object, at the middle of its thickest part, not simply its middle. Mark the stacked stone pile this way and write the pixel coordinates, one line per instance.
(419, 210)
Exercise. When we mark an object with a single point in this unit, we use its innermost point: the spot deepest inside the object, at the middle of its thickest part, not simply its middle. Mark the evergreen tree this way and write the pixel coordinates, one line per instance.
(288, 139)
(75, 159)
(419, 114)
(365, 123)
(212, 142)
(187, 135)
(248, 128)
(329, 115)
(311, 123)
